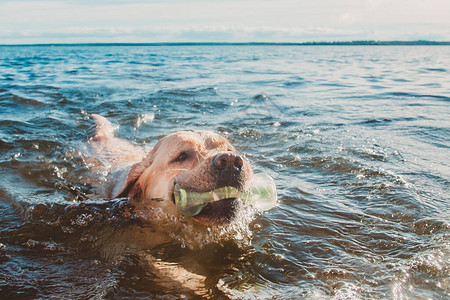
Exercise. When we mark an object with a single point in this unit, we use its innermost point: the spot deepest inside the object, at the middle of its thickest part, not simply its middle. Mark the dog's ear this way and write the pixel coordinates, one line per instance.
(132, 188)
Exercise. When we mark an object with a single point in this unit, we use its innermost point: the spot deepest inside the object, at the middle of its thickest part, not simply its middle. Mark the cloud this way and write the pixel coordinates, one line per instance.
(71, 21)
(186, 34)
(210, 34)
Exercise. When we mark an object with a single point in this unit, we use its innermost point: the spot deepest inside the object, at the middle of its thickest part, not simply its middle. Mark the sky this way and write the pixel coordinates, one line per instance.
(155, 21)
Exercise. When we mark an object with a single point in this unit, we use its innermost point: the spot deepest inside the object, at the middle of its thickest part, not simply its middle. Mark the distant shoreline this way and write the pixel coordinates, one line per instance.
(338, 43)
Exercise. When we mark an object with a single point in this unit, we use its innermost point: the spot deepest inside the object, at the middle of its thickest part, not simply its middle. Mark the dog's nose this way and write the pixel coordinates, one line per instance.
(228, 161)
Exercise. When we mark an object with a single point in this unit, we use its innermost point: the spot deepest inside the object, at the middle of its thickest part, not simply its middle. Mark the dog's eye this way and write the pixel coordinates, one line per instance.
(182, 157)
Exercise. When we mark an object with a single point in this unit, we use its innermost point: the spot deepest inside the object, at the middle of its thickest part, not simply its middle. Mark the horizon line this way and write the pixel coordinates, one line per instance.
(319, 43)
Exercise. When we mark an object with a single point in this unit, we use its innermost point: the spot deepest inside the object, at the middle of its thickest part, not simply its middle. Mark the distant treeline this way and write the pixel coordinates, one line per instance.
(335, 43)
(375, 43)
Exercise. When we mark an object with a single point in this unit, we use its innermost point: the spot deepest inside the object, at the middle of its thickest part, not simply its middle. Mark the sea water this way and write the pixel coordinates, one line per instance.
(355, 137)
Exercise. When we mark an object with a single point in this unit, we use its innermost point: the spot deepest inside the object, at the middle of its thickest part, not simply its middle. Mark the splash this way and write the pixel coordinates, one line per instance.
(195, 236)
(144, 119)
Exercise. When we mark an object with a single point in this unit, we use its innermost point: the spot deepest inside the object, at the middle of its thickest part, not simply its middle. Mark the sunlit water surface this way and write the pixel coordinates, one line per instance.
(357, 139)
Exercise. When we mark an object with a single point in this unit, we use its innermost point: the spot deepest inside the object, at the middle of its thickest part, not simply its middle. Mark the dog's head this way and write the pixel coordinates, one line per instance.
(197, 161)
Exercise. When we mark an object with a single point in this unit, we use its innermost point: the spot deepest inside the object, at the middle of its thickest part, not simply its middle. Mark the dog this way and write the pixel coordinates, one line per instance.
(199, 161)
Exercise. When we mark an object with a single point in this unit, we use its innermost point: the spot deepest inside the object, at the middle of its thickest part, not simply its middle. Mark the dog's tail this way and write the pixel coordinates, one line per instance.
(105, 128)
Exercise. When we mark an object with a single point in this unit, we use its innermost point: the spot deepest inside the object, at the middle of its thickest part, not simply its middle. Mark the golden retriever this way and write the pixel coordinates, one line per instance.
(199, 161)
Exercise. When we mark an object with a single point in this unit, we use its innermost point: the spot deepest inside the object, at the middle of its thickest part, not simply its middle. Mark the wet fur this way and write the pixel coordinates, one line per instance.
(147, 180)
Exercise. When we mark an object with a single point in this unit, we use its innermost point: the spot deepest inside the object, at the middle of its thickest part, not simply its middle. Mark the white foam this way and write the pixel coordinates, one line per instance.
(144, 119)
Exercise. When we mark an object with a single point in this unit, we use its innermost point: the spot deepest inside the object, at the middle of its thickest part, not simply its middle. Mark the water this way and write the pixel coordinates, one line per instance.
(357, 139)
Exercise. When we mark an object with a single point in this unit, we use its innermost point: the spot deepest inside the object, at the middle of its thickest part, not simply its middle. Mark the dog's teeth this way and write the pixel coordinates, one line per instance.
(215, 196)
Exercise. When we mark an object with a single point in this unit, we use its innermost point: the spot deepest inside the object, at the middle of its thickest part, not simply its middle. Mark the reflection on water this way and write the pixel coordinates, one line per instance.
(355, 137)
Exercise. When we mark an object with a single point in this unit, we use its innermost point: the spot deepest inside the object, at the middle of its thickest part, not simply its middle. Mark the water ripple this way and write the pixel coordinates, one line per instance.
(356, 139)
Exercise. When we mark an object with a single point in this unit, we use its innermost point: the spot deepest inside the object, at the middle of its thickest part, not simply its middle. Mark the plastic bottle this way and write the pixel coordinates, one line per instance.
(263, 193)
(262, 196)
